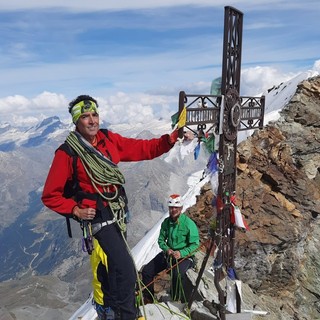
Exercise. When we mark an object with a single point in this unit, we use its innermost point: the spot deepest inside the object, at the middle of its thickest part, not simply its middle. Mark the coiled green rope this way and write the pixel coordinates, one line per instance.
(102, 172)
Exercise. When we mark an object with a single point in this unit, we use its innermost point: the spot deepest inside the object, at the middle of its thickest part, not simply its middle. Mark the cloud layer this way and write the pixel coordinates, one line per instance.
(131, 108)
(135, 56)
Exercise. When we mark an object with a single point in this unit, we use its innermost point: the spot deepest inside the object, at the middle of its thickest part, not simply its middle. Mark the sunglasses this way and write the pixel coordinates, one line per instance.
(85, 106)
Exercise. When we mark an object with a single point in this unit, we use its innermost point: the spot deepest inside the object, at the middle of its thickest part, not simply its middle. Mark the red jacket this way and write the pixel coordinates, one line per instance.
(115, 147)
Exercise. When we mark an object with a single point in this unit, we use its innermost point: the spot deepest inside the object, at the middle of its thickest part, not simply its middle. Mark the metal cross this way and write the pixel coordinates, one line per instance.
(224, 115)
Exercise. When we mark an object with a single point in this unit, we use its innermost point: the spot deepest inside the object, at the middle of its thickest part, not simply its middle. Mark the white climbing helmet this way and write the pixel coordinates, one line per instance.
(175, 201)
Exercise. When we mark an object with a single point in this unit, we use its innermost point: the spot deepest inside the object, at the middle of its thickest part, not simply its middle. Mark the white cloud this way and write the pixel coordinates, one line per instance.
(134, 108)
(14, 104)
(263, 25)
(96, 5)
(82, 5)
(128, 113)
(316, 66)
(138, 75)
(256, 80)
(23, 111)
(184, 54)
(48, 101)
(131, 108)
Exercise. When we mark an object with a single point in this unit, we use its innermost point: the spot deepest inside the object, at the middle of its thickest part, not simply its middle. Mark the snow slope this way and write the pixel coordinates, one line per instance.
(147, 247)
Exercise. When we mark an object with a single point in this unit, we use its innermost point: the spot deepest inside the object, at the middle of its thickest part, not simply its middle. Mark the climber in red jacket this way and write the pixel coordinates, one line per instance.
(100, 199)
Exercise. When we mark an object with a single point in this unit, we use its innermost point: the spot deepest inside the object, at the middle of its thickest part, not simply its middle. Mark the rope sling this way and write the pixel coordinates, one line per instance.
(103, 173)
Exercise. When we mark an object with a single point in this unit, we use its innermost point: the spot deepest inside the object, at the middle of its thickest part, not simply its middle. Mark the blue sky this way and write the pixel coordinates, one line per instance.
(135, 56)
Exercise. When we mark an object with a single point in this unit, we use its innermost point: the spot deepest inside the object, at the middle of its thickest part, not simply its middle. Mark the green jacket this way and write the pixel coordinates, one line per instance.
(181, 235)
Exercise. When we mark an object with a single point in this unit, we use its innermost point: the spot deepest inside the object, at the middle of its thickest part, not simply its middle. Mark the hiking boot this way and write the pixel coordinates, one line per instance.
(104, 313)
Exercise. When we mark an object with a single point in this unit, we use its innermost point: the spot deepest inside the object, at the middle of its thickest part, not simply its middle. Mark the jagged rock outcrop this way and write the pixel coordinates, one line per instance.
(278, 191)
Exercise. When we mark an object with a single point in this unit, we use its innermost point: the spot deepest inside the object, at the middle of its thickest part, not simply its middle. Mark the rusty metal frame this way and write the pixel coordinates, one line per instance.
(230, 88)
(201, 110)
(252, 113)
(232, 44)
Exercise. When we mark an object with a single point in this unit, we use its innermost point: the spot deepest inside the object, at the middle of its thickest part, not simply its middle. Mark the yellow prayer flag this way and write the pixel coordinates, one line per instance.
(182, 118)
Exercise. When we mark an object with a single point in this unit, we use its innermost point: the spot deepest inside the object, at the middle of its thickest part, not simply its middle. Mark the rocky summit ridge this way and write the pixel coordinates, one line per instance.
(278, 192)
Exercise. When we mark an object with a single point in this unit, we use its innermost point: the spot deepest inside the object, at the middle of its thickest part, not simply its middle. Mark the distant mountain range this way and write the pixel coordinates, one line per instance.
(12, 138)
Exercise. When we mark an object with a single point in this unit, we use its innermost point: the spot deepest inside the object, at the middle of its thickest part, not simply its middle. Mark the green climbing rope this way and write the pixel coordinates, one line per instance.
(102, 173)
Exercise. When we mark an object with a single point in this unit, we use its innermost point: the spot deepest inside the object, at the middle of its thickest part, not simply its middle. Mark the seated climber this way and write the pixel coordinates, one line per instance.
(178, 240)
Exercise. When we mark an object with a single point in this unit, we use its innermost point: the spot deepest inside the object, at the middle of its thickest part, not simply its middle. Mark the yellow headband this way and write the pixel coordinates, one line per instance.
(82, 107)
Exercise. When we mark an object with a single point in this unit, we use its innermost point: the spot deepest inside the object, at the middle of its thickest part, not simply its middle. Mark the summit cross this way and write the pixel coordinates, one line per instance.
(225, 115)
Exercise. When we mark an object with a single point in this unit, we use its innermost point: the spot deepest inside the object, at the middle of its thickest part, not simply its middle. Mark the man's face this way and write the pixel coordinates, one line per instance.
(175, 212)
(88, 125)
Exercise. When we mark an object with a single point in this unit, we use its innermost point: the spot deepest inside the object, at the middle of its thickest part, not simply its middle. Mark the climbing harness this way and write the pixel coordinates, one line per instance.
(105, 174)
(169, 269)
(97, 226)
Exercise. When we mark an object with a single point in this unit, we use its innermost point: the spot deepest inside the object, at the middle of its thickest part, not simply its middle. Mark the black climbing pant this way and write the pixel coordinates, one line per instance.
(178, 275)
(119, 280)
